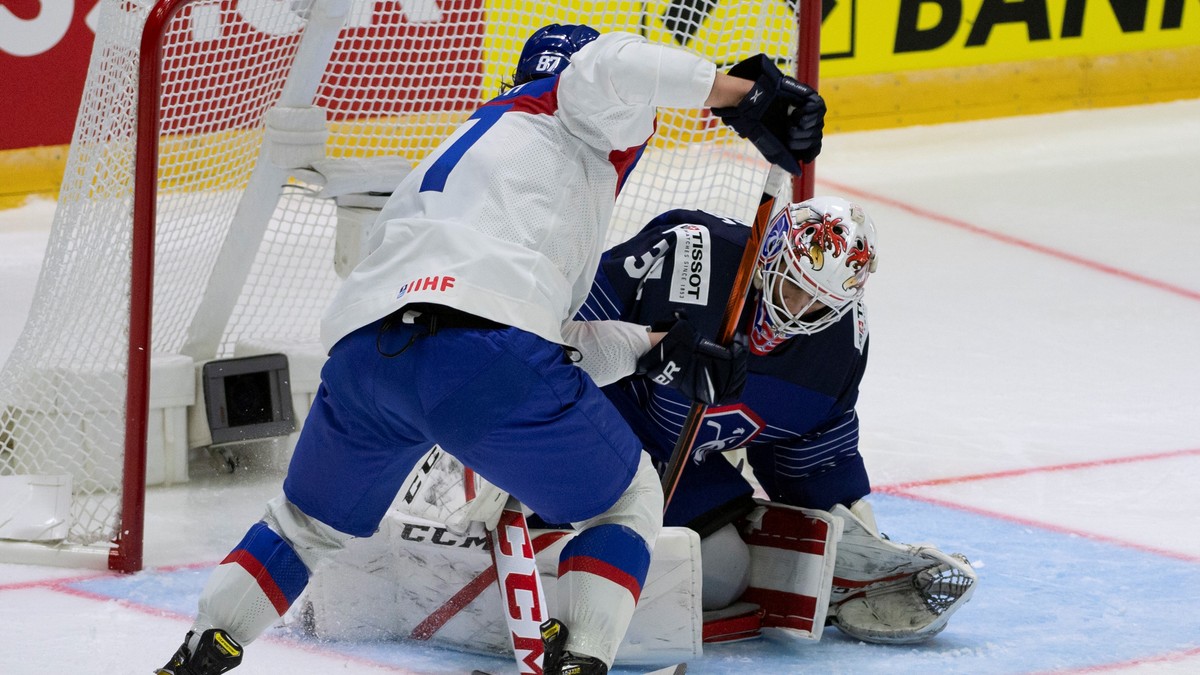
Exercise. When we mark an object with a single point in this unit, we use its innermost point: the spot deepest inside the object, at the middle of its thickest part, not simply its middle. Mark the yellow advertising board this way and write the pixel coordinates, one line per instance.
(867, 37)
(888, 63)
(884, 63)
(897, 62)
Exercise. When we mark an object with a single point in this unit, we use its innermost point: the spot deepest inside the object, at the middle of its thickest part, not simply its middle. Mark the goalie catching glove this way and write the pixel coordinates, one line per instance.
(699, 368)
(780, 116)
(892, 593)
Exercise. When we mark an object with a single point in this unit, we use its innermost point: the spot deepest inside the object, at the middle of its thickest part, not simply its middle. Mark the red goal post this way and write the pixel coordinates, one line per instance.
(175, 242)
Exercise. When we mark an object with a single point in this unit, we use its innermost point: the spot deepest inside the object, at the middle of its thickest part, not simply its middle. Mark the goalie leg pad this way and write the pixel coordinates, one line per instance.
(792, 554)
(893, 593)
(416, 580)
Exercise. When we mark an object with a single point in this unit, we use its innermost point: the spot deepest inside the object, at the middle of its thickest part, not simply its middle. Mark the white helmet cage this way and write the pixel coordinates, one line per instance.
(826, 247)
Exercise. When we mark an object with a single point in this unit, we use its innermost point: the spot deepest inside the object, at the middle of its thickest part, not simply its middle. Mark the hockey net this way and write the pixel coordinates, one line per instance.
(165, 197)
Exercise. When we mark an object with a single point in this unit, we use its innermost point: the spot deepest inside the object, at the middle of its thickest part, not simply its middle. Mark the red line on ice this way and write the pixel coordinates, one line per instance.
(909, 491)
(1015, 241)
(1072, 466)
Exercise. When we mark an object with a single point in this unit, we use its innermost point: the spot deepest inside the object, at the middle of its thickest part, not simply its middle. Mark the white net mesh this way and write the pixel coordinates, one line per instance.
(240, 254)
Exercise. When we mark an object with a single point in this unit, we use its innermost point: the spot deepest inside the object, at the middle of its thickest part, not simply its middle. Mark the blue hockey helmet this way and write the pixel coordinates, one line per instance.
(548, 51)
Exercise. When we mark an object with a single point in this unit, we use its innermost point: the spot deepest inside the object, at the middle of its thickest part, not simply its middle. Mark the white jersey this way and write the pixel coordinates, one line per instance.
(508, 217)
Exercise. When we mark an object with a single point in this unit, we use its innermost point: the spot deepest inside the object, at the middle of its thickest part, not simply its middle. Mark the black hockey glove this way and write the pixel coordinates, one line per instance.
(780, 116)
(699, 368)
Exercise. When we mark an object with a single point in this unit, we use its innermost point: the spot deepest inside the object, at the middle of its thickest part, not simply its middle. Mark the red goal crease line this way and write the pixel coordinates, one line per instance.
(1051, 527)
(910, 491)
(1169, 657)
(64, 586)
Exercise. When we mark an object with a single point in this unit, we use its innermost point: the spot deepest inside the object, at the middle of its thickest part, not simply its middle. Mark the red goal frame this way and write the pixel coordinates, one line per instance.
(127, 554)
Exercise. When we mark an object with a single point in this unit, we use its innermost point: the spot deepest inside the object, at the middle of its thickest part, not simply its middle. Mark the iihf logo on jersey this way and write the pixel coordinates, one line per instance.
(726, 428)
(434, 283)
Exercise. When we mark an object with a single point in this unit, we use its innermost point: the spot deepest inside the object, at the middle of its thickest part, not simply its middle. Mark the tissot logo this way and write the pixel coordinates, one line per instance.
(691, 271)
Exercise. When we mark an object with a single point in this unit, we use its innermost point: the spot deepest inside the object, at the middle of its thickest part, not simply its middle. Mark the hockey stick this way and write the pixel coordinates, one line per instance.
(733, 310)
(431, 624)
(521, 596)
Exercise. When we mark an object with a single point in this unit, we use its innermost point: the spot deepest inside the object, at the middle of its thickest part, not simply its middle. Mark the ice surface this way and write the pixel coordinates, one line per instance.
(1033, 401)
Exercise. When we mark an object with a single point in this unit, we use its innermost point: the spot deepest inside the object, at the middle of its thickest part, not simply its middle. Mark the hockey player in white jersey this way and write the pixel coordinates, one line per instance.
(455, 329)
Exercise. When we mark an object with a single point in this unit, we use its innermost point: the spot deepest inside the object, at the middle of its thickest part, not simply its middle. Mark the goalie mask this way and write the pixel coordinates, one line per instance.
(814, 261)
(548, 51)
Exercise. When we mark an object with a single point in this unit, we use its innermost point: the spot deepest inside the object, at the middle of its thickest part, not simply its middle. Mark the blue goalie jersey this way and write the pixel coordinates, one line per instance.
(796, 418)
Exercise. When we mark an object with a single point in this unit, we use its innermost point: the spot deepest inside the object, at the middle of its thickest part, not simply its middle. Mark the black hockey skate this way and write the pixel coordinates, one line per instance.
(557, 661)
(215, 653)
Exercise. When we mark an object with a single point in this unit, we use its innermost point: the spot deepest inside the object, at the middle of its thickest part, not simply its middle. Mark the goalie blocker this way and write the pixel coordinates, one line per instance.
(430, 576)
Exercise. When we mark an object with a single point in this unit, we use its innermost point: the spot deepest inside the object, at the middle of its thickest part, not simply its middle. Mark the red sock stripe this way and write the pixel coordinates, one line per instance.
(590, 565)
(269, 588)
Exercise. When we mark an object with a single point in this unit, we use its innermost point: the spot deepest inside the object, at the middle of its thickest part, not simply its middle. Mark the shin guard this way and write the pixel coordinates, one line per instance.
(253, 586)
(602, 569)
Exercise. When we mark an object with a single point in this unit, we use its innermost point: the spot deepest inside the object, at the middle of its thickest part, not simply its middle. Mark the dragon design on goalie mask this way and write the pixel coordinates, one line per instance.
(861, 259)
(825, 234)
(821, 233)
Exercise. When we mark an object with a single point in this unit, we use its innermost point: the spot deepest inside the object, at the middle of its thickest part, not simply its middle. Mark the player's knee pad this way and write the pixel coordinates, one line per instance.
(726, 568)
(313, 541)
(639, 508)
(590, 597)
